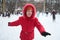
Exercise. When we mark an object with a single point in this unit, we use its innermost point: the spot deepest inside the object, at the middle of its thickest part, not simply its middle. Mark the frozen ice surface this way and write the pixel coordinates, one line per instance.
(12, 33)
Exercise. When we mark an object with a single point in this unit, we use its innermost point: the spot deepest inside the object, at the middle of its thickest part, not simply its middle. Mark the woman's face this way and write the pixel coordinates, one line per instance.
(29, 13)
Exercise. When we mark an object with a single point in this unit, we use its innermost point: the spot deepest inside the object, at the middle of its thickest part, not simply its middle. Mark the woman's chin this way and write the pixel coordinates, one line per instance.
(28, 16)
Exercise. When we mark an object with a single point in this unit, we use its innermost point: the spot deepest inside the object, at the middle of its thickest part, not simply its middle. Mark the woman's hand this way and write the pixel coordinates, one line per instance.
(45, 34)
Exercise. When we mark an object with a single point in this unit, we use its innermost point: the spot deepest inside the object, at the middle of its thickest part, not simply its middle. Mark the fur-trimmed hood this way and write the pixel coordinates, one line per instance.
(25, 8)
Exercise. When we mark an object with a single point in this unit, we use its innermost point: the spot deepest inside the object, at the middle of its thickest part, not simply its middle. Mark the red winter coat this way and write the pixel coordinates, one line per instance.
(28, 24)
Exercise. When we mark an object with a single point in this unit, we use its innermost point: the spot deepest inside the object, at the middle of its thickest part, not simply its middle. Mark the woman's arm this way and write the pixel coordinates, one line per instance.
(15, 23)
(41, 28)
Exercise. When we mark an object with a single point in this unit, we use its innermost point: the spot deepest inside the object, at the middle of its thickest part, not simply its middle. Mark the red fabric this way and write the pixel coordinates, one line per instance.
(29, 8)
(28, 24)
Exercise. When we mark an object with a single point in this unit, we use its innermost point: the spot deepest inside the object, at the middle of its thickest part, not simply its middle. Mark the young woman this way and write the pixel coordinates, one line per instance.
(28, 22)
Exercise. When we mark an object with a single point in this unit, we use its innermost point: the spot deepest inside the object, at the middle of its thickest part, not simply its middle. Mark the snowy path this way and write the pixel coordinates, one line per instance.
(12, 33)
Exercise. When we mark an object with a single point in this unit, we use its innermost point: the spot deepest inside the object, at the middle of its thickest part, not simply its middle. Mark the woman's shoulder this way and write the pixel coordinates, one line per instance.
(22, 17)
(35, 18)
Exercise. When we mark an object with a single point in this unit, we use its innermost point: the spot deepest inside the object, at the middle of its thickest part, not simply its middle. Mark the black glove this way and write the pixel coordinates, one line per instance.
(45, 34)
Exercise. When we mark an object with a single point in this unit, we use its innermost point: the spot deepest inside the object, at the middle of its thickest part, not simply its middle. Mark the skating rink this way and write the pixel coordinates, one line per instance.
(12, 33)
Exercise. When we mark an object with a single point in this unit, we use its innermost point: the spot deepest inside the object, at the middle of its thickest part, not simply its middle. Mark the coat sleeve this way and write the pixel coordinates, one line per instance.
(15, 23)
(39, 26)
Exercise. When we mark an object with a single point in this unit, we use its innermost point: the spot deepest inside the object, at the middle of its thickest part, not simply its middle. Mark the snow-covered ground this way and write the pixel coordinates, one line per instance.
(12, 33)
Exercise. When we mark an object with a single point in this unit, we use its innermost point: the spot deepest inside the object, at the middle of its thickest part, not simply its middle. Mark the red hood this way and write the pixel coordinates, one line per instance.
(25, 8)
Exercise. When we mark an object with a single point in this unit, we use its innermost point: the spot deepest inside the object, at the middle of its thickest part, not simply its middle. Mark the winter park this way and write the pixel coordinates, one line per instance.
(29, 20)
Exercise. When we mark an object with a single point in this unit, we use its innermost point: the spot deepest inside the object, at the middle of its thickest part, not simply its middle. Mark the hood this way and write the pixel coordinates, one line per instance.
(25, 8)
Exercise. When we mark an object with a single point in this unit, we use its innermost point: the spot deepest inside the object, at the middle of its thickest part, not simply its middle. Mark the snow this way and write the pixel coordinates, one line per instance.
(12, 33)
